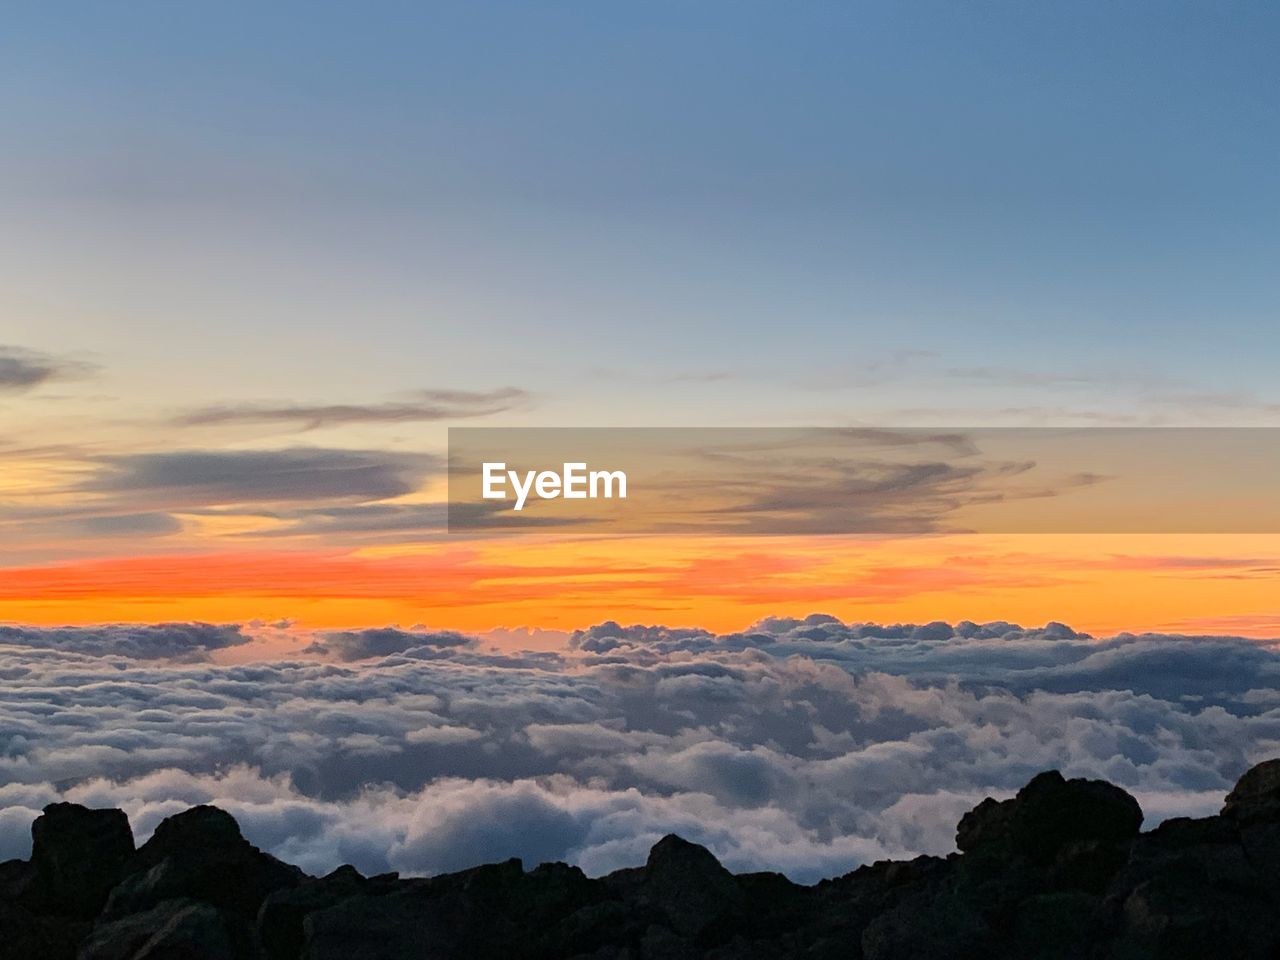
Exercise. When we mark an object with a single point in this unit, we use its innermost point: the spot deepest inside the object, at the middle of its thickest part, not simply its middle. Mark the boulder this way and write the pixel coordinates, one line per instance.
(202, 828)
(1058, 871)
(689, 887)
(1178, 914)
(496, 911)
(17, 881)
(1205, 848)
(171, 930)
(986, 826)
(928, 925)
(200, 855)
(78, 855)
(1047, 815)
(1052, 926)
(1253, 808)
(367, 927)
(1256, 795)
(26, 935)
(282, 913)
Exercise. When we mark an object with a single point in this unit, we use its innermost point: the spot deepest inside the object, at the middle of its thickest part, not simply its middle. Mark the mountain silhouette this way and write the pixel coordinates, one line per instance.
(1060, 870)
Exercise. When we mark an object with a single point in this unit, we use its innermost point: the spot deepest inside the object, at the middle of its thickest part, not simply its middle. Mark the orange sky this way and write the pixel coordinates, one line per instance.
(238, 330)
(1098, 583)
(90, 534)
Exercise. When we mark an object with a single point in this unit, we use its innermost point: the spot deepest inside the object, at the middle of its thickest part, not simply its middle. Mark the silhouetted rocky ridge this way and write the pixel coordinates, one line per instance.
(1058, 871)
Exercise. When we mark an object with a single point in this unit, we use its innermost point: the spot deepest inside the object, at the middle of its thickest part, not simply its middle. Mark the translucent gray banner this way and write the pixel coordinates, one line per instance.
(808, 481)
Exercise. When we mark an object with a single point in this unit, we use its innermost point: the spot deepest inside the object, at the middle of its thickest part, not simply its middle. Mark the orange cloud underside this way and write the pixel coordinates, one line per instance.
(1104, 584)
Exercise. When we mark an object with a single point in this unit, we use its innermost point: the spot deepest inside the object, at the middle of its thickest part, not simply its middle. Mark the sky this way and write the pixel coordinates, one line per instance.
(255, 261)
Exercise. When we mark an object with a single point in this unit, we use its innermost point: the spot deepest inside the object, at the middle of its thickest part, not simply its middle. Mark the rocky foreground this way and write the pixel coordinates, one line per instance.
(1060, 870)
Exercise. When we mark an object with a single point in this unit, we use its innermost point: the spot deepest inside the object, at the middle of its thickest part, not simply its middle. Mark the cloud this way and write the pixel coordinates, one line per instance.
(845, 480)
(145, 641)
(427, 405)
(605, 636)
(349, 645)
(298, 474)
(130, 525)
(366, 520)
(823, 481)
(808, 744)
(22, 370)
(1010, 376)
(80, 522)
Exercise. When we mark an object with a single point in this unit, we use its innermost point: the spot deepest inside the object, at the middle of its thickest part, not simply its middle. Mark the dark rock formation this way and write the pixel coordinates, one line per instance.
(200, 855)
(1048, 815)
(77, 856)
(1256, 795)
(174, 929)
(1058, 872)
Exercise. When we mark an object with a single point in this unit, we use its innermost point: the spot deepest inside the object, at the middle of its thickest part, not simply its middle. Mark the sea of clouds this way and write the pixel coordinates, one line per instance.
(807, 746)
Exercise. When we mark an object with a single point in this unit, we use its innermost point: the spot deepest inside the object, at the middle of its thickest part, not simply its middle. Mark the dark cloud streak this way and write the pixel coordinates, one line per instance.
(184, 642)
(22, 370)
(298, 474)
(352, 645)
(428, 405)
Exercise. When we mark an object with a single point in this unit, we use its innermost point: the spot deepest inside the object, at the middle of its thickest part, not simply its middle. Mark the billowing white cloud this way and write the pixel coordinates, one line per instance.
(809, 745)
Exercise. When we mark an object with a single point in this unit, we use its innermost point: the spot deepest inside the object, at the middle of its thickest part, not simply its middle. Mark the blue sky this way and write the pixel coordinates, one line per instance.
(930, 211)
(239, 241)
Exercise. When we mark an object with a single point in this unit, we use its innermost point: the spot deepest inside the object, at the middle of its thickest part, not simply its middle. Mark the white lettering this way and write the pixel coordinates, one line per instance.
(494, 473)
(548, 485)
(574, 482)
(522, 490)
(609, 476)
(575, 474)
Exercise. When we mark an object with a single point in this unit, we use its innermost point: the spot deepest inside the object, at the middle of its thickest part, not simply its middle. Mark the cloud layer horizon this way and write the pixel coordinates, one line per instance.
(809, 745)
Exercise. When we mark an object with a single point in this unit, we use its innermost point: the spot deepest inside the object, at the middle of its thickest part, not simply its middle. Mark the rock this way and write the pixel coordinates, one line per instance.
(25, 935)
(1048, 814)
(1041, 858)
(1086, 865)
(496, 911)
(1057, 872)
(171, 930)
(282, 913)
(660, 943)
(1177, 914)
(78, 855)
(1253, 808)
(1261, 844)
(397, 925)
(199, 829)
(1256, 795)
(927, 926)
(1207, 848)
(689, 887)
(17, 881)
(987, 825)
(1052, 926)
(1189, 889)
(200, 855)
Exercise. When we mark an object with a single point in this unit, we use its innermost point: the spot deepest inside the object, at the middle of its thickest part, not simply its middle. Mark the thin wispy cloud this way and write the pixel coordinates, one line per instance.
(425, 406)
(298, 475)
(393, 521)
(22, 370)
